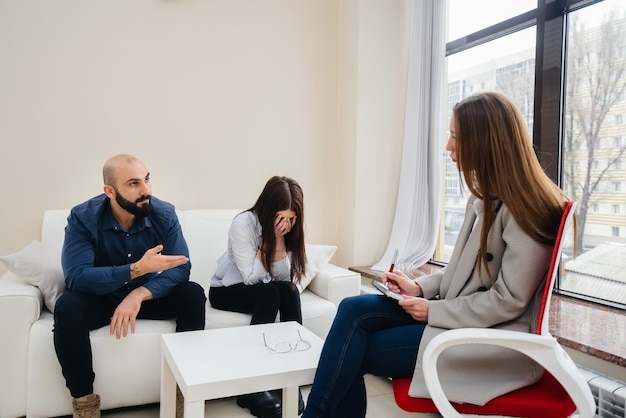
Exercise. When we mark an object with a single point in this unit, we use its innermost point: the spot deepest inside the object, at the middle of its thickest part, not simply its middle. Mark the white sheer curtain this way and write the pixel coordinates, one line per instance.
(416, 221)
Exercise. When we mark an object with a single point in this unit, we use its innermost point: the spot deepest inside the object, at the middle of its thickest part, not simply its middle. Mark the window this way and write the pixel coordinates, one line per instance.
(574, 72)
(511, 74)
(461, 10)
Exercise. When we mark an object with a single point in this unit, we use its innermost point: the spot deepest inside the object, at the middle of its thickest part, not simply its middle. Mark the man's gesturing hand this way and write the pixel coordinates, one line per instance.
(153, 261)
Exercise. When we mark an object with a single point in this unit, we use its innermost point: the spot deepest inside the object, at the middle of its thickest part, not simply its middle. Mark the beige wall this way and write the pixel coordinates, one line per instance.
(373, 39)
(215, 96)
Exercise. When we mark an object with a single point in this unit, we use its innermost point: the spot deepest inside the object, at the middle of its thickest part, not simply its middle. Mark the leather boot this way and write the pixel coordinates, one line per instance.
(261, 404)
(87, 406)
(279, 395)
(180, 403)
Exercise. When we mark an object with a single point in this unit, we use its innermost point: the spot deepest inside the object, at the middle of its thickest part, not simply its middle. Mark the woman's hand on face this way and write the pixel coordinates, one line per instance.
(399, 282)
(283, 225)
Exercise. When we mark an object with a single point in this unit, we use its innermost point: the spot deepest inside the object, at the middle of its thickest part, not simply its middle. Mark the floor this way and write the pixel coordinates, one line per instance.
(380, 403)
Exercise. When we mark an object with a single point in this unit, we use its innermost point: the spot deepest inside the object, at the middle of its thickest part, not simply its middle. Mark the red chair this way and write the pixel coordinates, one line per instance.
(559, 393)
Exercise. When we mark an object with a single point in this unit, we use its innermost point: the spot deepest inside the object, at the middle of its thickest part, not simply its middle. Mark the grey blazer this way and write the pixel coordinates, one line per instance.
(461, 297)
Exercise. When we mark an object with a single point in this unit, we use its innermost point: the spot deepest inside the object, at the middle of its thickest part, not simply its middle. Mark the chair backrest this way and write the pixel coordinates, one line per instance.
(543, 319)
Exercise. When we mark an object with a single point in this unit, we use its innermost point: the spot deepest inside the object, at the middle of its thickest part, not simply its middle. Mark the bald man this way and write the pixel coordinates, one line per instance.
(124, 258)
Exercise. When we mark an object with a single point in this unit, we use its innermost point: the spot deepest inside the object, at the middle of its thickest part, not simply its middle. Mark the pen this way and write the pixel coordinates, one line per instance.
(393, 260)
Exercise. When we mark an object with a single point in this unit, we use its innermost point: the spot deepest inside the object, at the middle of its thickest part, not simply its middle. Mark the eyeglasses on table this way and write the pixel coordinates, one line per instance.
(286, 347)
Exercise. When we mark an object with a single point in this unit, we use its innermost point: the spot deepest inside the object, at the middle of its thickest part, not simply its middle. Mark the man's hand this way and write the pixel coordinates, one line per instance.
(126, 312)
(153, 261)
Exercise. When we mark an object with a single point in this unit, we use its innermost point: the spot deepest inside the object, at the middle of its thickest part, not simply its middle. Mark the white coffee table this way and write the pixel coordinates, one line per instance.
(224, 362)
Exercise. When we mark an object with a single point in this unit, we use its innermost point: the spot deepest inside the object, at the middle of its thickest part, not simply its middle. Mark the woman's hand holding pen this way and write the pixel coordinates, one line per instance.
(399, 282)
(411, 302)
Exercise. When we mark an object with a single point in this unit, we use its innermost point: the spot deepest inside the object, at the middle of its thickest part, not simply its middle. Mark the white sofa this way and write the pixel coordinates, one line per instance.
(128, 370)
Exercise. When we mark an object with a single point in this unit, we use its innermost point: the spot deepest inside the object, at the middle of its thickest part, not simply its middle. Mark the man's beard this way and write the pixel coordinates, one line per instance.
(133, 207)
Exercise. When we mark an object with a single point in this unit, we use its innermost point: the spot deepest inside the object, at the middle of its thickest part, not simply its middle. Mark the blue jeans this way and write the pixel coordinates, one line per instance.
(371, 334)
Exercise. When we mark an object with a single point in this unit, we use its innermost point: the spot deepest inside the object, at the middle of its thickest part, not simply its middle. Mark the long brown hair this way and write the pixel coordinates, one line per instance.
(282, 193)
(495, 154)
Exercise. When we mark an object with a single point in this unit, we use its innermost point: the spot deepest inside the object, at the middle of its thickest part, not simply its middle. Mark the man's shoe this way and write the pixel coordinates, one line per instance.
(300, 403)
(261, 404)
(87, 406)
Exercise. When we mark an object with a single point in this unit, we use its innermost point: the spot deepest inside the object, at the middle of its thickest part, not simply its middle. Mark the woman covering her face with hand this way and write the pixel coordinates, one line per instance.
(493, 280)
(259, 271)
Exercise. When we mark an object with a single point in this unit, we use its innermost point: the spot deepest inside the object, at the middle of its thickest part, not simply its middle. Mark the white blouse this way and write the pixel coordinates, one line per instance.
(239, 263)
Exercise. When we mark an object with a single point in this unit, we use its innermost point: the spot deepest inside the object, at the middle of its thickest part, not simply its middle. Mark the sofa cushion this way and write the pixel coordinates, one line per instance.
(317, 256)
(40, 266)
(206, 233)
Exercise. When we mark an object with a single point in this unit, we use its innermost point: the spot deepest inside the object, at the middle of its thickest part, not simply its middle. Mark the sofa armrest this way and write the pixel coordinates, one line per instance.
(335, 283)
(20, 307)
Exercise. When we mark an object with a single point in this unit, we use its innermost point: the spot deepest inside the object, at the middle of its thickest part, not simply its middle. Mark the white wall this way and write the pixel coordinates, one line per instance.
(215, 96)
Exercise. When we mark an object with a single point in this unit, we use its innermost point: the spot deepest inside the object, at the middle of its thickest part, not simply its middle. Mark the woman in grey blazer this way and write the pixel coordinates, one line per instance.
(498, 264)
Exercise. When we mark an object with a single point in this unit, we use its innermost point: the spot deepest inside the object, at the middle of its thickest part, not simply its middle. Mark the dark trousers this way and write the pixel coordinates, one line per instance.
(75, 314)
(263, 300)
(371, 334)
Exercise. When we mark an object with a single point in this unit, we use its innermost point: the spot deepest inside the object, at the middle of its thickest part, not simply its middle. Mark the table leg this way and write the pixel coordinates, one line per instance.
(168, 390)
(290, 402)
(194, 409)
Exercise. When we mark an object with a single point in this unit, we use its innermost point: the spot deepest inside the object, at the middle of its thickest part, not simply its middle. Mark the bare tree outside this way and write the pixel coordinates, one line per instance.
(594, 142)
(513, 80)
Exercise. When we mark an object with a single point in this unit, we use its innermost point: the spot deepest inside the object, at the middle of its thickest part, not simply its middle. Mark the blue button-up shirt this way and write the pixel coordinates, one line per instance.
(97, 251)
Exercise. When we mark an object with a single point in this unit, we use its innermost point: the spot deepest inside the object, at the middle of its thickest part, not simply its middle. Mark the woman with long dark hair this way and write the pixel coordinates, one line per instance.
(258, 273)
(493, 279)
